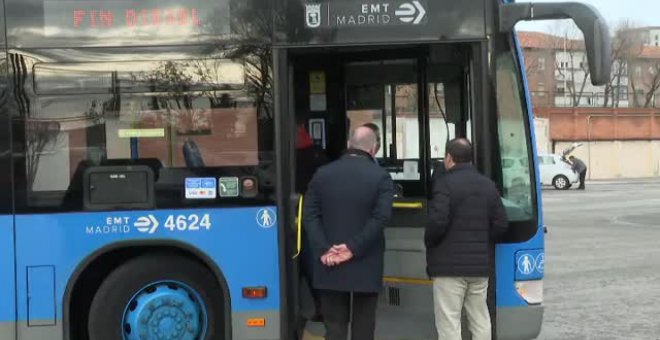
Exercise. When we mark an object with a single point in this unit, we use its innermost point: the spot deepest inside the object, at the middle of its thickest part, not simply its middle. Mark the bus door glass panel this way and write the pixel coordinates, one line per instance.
(513, 131)
(448, 116)
(403, 132)
(440, 129)
(366, 105)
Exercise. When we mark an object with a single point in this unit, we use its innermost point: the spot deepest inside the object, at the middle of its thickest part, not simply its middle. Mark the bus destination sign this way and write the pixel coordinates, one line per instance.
(130, 18)
(143, 17)
(338, 14)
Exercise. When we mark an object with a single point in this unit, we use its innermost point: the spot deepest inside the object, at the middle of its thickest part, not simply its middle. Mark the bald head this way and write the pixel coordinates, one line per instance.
(363, 138)
(459, 151)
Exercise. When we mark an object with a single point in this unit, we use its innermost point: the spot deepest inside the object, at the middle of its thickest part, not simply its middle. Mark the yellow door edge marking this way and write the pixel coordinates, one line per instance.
(405, 280)
(408, 205)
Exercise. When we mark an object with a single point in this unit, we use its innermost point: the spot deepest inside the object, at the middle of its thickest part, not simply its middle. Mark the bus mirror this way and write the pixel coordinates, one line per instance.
(587, 18)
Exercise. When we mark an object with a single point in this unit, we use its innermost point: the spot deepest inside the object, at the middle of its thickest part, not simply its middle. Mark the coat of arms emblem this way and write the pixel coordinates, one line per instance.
(313, 15)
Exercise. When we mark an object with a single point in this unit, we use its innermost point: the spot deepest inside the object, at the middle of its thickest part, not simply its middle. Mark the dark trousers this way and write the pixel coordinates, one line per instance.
(583, 175)
(336, 310)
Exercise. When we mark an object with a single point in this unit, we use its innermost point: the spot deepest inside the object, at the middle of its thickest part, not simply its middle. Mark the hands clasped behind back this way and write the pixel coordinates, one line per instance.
(337, 255)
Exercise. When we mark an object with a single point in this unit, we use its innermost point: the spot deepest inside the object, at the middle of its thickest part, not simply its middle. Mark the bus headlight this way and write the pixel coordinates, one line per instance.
(531, 291)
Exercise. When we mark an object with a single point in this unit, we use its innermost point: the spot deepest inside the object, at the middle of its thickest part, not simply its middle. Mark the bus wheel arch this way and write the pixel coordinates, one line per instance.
(90, 274)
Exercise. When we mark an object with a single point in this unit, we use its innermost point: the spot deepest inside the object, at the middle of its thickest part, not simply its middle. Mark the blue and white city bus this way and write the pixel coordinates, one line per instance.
(147, 153)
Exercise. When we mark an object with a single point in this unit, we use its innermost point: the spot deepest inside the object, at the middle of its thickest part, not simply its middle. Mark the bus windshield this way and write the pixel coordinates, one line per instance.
(196, 117)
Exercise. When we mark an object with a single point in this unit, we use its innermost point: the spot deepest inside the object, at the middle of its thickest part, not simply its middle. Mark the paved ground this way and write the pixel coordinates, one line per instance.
(603, 262)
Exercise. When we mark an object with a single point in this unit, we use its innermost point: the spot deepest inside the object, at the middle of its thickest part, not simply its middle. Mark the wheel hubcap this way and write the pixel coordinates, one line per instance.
(165, 311)
(561, 182)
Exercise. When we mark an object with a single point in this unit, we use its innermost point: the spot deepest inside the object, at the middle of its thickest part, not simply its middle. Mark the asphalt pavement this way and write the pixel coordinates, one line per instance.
(602, 272)
(602, 269)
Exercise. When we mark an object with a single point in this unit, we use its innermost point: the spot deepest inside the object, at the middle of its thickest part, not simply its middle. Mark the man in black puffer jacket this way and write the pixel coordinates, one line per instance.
(466, 217)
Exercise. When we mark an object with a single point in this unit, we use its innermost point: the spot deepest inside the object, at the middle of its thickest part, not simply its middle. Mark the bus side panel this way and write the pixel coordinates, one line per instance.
(242, 242)
(7, 279)
(506, 265)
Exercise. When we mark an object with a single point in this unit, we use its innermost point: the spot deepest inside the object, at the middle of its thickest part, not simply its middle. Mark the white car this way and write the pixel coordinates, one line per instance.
(556, 172)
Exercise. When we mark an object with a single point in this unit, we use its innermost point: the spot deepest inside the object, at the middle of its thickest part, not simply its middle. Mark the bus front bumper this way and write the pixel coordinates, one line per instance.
(519, 323)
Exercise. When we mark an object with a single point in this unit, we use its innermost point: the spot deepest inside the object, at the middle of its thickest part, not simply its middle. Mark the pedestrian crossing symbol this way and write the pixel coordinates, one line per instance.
(526, 264)
(266, 218)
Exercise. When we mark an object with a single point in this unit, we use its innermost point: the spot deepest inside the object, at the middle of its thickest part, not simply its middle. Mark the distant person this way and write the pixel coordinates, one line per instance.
(309, 158)
(580, 168)
(346, 207)
(466, 219)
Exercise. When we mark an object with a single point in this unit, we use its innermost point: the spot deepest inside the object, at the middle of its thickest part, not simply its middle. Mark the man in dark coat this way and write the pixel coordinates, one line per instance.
(580, 168)
(466, 218)
(346, 207)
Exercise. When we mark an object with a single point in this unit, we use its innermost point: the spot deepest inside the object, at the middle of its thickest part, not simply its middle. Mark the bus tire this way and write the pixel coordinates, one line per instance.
(173, 296)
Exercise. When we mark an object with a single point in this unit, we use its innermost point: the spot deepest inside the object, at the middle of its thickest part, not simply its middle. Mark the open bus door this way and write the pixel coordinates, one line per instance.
(378, 68)
(417, 97)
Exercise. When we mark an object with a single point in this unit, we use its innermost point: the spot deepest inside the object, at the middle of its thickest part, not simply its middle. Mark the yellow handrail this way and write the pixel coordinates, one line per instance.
(408, 205)
(299, 227)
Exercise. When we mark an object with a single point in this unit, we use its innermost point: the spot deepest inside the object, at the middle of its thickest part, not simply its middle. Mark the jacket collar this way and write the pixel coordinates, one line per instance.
(357, 153)
(462, 166)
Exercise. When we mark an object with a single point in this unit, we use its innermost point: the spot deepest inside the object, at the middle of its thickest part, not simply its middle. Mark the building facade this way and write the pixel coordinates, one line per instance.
(618, 124)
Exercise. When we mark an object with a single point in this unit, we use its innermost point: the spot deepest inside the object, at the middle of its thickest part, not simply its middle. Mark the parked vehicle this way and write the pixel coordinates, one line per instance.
(556, 171)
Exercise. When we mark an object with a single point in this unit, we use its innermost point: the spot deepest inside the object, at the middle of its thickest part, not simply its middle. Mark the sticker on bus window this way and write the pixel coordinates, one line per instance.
(228, 186)
(201, 188)
(141, 133)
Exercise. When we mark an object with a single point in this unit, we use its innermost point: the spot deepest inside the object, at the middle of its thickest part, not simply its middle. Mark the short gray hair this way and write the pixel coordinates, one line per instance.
(363, 138)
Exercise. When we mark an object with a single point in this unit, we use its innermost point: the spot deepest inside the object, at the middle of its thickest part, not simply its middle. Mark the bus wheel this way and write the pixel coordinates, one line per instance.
(157, 297)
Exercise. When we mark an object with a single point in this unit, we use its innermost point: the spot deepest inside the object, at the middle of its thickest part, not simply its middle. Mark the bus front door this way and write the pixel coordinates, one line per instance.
(416, 105)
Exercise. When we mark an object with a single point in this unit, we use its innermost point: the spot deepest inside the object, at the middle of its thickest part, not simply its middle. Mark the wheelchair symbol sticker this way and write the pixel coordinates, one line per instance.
(540, 263)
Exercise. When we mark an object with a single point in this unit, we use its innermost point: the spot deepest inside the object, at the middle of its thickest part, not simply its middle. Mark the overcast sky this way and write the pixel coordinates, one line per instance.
(639, 12)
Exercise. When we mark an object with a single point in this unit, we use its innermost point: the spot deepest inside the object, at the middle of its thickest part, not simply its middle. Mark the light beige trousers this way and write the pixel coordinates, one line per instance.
(450, 296)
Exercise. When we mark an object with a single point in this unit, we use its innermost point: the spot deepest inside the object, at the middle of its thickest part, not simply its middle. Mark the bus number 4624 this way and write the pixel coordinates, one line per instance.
(188, 222)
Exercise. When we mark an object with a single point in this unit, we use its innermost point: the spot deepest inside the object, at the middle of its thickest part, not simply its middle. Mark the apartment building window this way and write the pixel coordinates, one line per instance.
(540, 89)
(622, 93)
(561, 89)
(541, 63)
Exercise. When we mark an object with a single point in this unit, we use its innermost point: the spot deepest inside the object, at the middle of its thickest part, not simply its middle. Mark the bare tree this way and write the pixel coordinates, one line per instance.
(644, 85)
(39, 136)
(531, 63)
(626, 46)
(572, 66)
